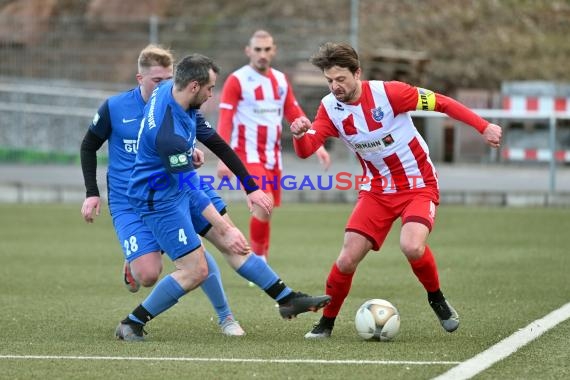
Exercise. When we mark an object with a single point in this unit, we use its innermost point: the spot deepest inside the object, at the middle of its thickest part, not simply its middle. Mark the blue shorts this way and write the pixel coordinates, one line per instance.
(134, 236)
(137, 239)
(171, 225)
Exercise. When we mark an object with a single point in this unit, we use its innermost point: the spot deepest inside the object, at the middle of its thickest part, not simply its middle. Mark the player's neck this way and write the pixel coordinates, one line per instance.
(181, 98)
(144, 95)
(264, 71)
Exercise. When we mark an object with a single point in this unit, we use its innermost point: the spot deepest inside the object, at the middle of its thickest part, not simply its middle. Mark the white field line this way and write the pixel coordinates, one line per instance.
(507, 346)
(226, 360)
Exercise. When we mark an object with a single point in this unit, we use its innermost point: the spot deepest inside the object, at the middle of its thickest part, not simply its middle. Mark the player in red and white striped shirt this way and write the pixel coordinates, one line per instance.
(400, 181)
(254, 100)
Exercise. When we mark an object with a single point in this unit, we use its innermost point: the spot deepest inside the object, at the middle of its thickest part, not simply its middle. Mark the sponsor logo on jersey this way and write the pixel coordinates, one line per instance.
(388, 140)
(150, 117)
(130, 145)
(96, 118)
(281, 91)
(373, 145)
(274, 110)
(377, 114)
(126, 121)
(178, 160)
(208, 125)
(369, 146)
(339, 107)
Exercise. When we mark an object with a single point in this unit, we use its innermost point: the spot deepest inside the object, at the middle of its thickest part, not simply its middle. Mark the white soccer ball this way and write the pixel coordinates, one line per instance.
(377, 319)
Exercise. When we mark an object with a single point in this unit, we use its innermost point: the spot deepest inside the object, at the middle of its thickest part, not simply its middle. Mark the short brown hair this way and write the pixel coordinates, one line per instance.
(154, 55)
(260, 33)
(332, 54)
(194, 67)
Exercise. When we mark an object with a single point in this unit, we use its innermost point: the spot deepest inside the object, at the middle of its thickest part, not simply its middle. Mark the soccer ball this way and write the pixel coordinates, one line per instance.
(377, 319)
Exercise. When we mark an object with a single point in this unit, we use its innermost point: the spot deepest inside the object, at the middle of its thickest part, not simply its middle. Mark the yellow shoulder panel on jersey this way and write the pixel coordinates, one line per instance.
(426, 100)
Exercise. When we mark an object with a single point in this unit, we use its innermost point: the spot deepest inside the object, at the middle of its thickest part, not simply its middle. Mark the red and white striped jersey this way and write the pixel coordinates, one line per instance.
(382, 135)
(252, 107)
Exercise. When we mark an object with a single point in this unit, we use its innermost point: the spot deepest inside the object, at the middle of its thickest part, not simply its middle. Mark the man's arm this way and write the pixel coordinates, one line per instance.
(227, 155)
(292, 111)
(404, 98)
(291, 108)
(231, 94)
(309, 137)
(231, 160)
(92, 142)
(89, 146)
(229, 99)
(88, 153)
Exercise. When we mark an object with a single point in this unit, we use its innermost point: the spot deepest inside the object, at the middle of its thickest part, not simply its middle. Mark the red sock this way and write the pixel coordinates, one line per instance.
(259, 236)
(425, 270)
(338, 285)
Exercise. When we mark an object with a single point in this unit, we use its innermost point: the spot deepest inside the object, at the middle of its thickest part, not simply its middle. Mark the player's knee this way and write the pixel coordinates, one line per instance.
(202, 272)
(412, 249)
(149, 277)
(194, 275)
(346, 264)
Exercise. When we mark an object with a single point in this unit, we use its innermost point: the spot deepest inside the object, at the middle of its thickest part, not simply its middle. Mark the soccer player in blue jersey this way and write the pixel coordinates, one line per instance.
(118, 122)
(248, 266)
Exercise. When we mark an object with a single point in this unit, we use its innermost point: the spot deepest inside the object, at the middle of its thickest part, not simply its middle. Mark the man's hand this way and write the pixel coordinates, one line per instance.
(223, 171)
(492, 135)
(197, 158)
(90, 204)
(236, 243)
(259, 198)
(324, 157)
(300, 126)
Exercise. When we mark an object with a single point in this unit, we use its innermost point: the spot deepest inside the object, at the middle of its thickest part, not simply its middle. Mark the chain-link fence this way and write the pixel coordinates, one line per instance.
(75, 49)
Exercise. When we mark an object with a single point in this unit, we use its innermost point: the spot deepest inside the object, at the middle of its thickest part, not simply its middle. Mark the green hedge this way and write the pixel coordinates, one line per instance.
(29, 156)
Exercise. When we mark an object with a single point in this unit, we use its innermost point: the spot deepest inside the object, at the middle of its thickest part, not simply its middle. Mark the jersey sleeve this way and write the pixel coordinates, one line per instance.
(225, 153)
(231, 95)
(291, 108)
(101, 123)
(88, 155)
(458, 111)
(172, 148)
(312, 140)
(203, 128)
(404, 98)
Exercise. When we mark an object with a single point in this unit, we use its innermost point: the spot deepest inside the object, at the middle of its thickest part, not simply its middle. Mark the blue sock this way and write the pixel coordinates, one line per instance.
(164, 295)
(214, 289)
(256, 270)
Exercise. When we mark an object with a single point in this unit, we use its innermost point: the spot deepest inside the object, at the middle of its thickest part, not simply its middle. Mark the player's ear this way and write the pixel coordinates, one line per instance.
(357, 73)
(139, 78)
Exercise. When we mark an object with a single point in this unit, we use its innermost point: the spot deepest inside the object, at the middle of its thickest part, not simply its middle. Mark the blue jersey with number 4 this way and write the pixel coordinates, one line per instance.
(163, 167)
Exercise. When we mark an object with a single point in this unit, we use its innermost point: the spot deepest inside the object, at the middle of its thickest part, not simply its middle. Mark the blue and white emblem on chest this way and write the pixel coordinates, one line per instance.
(377, 114)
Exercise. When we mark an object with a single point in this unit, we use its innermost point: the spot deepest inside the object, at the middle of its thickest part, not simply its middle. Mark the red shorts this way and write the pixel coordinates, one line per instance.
(375, 213)
(268, 180)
